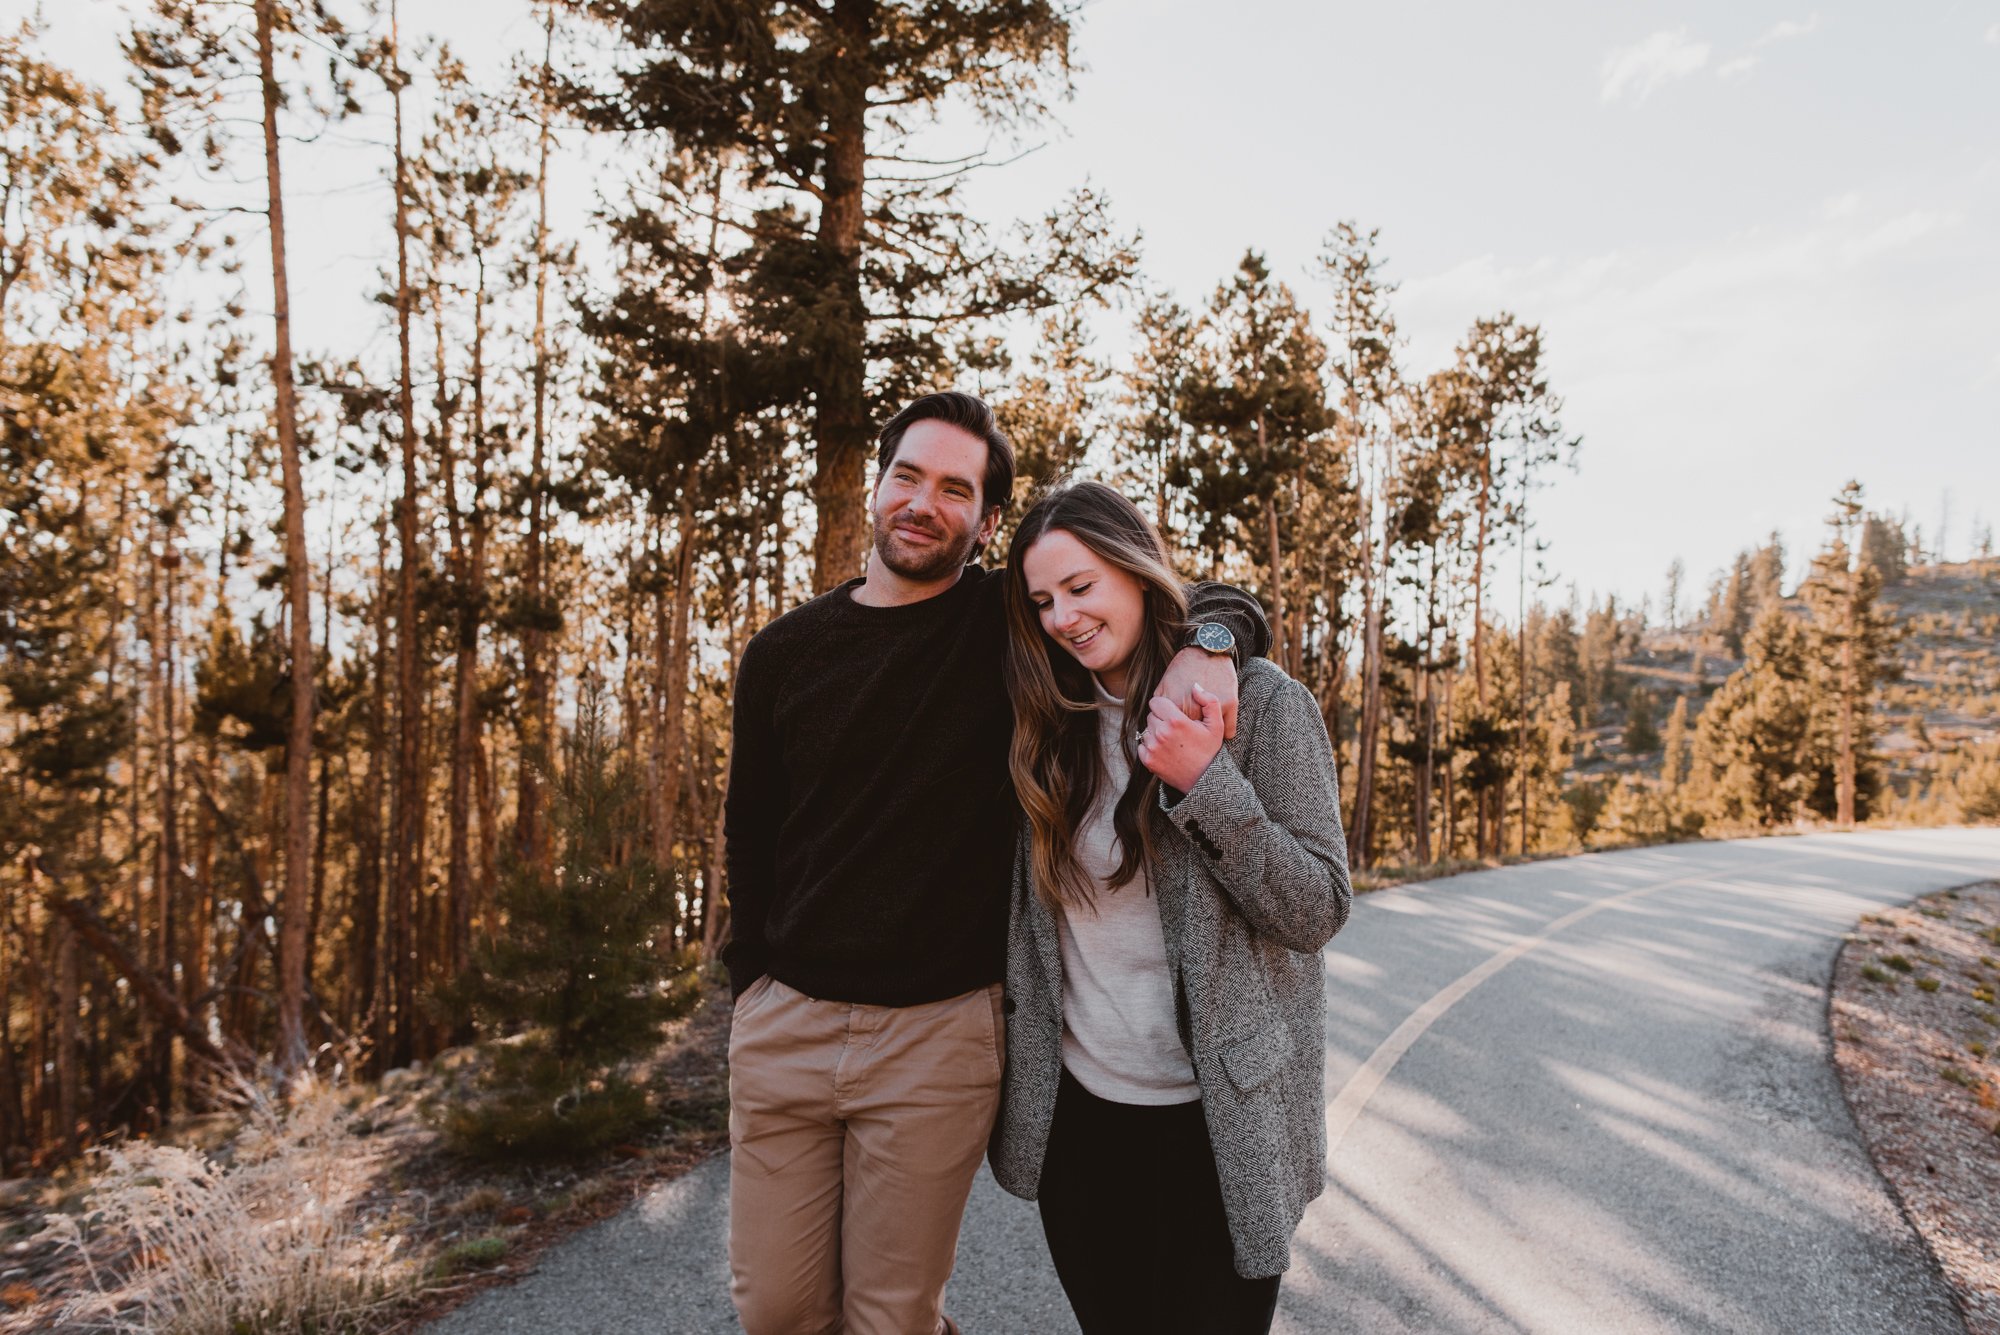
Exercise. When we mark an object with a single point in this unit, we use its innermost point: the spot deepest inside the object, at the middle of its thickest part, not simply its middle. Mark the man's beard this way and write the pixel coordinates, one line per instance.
(922, 566)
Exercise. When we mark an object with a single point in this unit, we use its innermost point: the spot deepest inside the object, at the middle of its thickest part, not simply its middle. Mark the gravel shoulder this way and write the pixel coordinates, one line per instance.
(1916, 1038)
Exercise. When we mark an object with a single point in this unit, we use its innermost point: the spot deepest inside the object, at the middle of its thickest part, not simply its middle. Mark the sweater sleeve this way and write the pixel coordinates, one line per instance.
(750, 820)
(1272, 837)
(1209, 600)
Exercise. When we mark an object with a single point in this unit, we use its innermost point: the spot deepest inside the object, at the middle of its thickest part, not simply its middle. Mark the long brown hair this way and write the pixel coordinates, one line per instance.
(1055, 761)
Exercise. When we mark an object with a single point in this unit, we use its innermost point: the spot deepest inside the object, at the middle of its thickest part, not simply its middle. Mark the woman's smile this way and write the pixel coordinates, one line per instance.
(1092, 608)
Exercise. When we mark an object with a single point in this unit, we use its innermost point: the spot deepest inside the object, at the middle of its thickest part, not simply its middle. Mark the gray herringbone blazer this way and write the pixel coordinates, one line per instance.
(1251, 876)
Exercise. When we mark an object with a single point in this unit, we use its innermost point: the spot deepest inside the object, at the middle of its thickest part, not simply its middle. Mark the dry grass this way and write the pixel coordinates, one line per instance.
(1914, 1064)
(265, 1238)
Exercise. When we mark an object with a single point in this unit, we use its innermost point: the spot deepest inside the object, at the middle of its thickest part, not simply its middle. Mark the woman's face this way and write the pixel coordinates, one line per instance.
(1091, 608)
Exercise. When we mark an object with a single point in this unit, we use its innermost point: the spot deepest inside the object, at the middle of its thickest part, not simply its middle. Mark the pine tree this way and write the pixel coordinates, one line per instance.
(1054, 411)
(1641, 735)
(1598, 651)
(578, 976)
(1764, 580)
(860, 254)
(472, 185)
(1758, 744)
(90, 402)
(1363, 360)
(1853, 644)
(189, 56)
(1152, 429)
(1884, 549)
(1519, 434)
(1674, 747)
(1259, 407)
(1731, 616)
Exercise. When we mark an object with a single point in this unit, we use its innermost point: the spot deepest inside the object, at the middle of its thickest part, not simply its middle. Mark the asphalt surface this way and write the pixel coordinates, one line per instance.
(1590, 1095)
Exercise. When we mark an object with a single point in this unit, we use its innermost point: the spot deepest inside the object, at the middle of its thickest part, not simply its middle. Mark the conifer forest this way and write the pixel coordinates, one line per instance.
(328, 674)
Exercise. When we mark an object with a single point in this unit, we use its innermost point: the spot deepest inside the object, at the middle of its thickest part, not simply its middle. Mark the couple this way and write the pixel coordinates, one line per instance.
(1073, 775)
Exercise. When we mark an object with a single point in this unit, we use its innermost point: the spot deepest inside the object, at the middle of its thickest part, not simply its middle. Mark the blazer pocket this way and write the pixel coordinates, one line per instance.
(1252, 1062)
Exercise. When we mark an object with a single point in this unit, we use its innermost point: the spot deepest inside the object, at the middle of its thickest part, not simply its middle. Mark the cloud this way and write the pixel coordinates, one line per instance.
(1782, 31)
(1788, 28)
(1993, 34)
(1639, 70)
(1896, 233)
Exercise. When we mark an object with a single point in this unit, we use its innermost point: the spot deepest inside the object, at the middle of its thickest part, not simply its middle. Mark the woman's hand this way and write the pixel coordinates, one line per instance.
(1214, 673)
(1176, 747)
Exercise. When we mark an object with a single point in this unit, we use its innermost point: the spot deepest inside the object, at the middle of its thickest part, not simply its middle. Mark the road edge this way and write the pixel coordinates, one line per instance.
(1854, 992)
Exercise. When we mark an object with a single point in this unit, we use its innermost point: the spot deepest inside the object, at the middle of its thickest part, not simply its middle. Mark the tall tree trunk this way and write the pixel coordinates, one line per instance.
(840, 427)
(1521, 737)
(1481, 833)
(41, 1027)
(406, 824)
(291, 1052)
(715, 888)
(1850, 691)
(171, 964)
(631, 596)
(715, 882)
(489, 835)
(776, 500)
(1447, 796)
(529, 837)
(1280, 625)
(465, 664)
(469, 722)
(323, 815)
(68, 989)
(1426, 718)
(1374, 594)
(13, 1121)
(670, 691)
(366, 965)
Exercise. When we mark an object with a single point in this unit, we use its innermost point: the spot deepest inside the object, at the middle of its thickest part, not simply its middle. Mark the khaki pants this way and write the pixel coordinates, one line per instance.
(854, 1134)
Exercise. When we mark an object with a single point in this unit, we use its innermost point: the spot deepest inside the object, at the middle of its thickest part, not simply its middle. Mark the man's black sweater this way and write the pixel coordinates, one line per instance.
(870, 820)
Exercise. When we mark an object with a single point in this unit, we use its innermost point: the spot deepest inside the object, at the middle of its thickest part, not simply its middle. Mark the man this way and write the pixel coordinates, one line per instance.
(870, 835)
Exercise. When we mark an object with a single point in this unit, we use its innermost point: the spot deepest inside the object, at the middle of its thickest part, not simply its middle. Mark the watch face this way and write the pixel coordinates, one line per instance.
(1216, 639)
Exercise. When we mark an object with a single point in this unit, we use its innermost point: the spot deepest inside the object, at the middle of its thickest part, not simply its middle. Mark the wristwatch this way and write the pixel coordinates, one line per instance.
(1215, 638)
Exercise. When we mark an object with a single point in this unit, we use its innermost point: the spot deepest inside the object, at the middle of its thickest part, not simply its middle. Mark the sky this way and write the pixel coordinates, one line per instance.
(1758, 237)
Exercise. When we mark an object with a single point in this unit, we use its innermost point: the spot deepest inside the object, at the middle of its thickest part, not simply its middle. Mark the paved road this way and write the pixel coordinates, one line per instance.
(1589, 1096)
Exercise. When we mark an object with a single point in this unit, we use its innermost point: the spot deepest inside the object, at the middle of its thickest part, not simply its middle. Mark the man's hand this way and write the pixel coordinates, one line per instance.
(1179, 749)
(1213, 673)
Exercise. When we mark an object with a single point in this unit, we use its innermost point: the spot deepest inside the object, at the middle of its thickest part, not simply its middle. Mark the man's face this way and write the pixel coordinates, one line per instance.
(929, 511)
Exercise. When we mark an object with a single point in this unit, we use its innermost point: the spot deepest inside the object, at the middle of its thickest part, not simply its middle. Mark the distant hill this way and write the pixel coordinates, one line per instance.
(1946, 704)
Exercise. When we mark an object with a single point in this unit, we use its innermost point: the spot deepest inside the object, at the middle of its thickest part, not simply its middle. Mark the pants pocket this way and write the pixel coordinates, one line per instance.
(999, 1030)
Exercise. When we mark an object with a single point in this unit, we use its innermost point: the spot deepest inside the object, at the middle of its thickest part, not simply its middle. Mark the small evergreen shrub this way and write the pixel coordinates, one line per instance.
(577, 982)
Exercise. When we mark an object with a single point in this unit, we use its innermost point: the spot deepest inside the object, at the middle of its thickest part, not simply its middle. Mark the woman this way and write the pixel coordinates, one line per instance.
(1162, 1099)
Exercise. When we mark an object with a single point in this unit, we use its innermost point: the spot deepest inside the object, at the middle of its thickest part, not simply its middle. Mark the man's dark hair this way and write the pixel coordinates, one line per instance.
(969, 413)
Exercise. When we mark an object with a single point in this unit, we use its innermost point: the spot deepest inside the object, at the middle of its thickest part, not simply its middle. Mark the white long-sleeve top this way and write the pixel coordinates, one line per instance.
(1119, 1038)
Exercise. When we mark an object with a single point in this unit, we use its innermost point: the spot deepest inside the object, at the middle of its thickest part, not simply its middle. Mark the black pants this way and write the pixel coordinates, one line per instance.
(1132, 1211)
